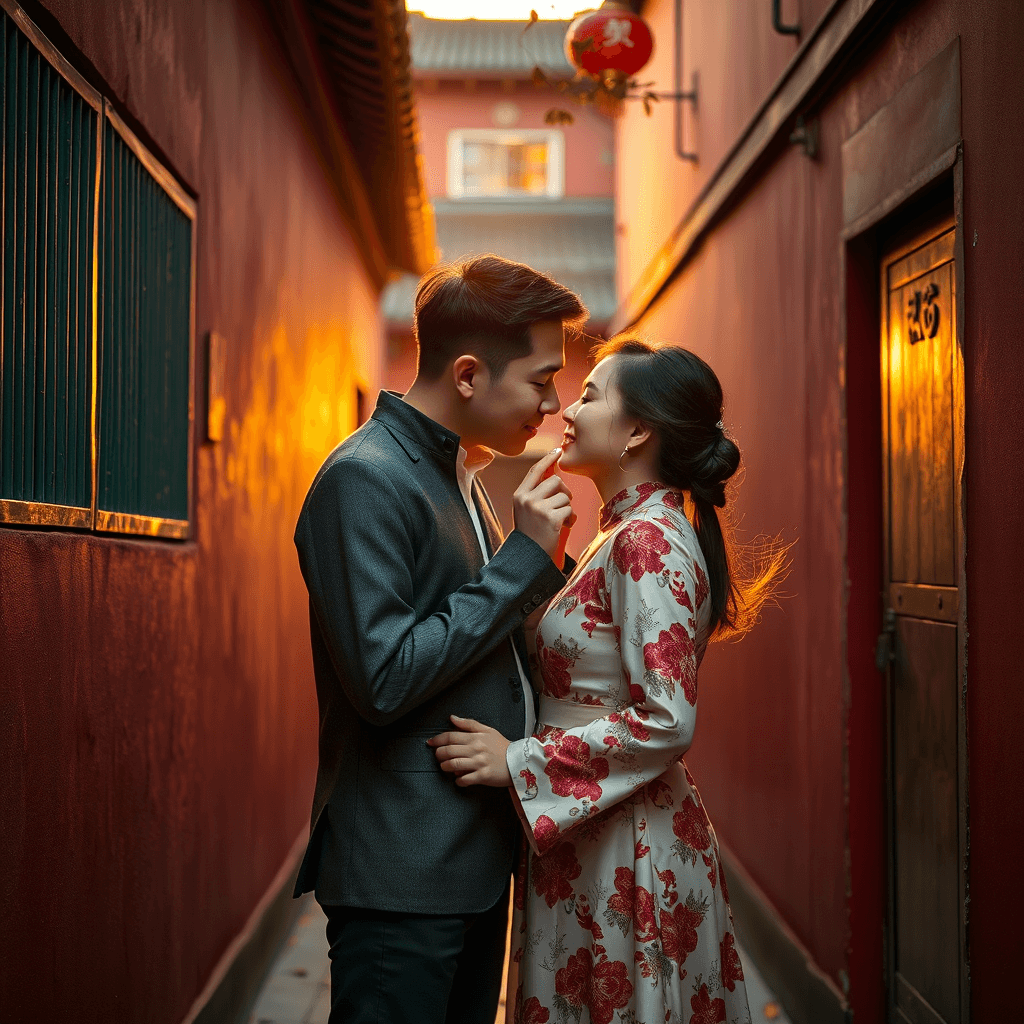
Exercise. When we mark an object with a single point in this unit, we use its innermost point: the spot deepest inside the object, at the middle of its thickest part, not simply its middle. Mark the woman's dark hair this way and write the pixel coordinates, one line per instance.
(486, 305)
(675, 393)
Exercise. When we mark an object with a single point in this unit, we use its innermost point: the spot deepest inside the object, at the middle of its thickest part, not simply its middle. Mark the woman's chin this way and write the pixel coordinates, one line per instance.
(570, 464)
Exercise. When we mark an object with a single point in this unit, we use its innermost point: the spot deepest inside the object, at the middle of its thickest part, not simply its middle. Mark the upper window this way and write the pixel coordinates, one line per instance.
(489, 162)
(96, 325)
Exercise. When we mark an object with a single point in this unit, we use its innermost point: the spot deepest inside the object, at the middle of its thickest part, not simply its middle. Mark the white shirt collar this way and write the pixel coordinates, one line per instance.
(466, 469)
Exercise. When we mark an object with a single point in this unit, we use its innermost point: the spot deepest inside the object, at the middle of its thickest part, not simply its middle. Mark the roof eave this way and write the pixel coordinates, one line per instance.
(392, 226)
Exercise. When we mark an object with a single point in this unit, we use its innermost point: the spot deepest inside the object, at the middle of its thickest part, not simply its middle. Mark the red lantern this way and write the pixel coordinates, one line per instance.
(610, 43)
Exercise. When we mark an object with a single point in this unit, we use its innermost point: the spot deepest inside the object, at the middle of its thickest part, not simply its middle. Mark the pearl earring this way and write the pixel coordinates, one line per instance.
(625, 452)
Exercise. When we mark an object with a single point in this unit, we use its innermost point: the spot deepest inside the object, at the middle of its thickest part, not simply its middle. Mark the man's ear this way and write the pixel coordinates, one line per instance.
(466, 371)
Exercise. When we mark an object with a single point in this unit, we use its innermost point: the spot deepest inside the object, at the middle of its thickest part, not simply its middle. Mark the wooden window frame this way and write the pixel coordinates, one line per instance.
(44, 514)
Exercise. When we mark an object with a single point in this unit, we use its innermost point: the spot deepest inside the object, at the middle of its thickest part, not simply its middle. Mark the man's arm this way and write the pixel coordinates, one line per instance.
(357, 549)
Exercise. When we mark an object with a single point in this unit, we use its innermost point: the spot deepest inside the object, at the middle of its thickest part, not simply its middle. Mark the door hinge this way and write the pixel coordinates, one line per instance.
(885, 649)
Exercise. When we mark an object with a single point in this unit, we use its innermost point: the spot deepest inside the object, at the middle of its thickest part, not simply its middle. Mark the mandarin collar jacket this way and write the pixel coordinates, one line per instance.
(408, 626)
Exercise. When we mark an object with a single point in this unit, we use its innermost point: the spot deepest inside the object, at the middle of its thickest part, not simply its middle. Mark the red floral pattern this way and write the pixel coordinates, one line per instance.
(545, 833)
(554, 667)
(691, 826)
(632, 904)
(732, 969)
(672, 657)
(678, 587)
(705, 1009)
(622, 504)
(638, 548)
(531, 1012)
(675, 500)
(659, 792)
(679, 931)
(602, 987)
(620, 913)
(703, 587)
(553, 874)
(572, 771)
(590, 591)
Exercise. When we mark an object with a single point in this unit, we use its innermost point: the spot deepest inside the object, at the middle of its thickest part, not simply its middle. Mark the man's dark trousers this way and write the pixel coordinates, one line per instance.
(393, 968)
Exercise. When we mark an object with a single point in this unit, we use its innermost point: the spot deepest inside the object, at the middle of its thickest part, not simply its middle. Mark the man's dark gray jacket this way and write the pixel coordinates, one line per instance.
(409, 626)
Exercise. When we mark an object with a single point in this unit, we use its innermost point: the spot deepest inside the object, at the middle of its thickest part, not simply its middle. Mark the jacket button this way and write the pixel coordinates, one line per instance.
(537, 599)
(527, 608)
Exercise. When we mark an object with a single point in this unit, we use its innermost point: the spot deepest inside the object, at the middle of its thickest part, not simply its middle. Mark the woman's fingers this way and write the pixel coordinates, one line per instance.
(446, 753)
(470, 724)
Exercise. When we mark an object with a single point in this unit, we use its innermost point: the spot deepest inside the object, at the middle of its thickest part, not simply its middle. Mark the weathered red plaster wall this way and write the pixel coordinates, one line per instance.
(992, 39)
(762, 301)
(737, 56)
(158, 720)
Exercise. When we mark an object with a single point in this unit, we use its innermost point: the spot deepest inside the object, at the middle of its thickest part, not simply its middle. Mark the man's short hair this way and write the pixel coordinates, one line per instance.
(486, 306)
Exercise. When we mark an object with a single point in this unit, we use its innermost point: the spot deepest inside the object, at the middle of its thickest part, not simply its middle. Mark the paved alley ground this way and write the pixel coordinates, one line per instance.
(297, 988)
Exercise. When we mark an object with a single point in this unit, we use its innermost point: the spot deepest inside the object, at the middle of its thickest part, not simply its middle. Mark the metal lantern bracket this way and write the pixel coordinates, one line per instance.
(614, 78)
(679, 96)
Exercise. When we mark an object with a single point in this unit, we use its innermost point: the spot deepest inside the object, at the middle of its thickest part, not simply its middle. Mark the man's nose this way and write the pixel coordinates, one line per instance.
(550, 403)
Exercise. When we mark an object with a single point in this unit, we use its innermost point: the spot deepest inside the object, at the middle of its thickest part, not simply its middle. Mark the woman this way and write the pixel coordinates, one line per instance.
(621, 911)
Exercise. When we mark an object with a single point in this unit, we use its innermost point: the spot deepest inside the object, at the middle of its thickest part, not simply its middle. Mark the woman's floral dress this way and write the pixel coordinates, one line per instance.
(621, 910)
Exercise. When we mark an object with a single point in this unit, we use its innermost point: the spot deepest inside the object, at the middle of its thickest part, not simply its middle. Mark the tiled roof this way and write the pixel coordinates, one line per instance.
(486, 48)
(572, 240)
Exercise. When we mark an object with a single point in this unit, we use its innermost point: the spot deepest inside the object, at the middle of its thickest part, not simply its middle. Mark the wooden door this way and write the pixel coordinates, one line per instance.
(922, 410)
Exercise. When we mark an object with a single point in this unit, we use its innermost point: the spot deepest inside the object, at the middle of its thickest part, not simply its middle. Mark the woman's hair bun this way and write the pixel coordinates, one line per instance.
(709, 476)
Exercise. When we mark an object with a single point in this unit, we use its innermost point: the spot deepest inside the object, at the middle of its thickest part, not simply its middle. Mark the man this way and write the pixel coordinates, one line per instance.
(416, 609)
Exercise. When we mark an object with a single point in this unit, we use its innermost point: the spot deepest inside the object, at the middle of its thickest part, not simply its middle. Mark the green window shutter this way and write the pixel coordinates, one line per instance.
(145, 332)
(49, 180)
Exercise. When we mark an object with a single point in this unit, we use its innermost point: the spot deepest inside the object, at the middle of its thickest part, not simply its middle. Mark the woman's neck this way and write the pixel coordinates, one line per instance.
(615, 480)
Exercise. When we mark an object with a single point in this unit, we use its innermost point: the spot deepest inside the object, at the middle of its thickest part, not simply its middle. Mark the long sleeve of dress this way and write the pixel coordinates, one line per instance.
(642, 598)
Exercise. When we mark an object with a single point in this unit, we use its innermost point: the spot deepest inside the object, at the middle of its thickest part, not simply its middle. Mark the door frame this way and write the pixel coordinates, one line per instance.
(873, 206)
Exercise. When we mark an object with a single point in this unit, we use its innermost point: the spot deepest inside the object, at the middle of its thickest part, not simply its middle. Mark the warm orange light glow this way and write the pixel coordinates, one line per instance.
(297, 411)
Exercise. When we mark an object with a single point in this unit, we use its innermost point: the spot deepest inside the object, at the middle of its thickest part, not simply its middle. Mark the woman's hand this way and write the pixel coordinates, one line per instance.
(475, 754)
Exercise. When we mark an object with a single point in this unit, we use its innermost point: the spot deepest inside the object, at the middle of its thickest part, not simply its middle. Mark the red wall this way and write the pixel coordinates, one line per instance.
(589, 142)
(764, 301)
(158, 724)
(737, 56)
(992, 39)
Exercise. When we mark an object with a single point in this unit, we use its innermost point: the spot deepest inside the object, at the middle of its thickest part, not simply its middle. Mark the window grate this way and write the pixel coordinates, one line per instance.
(49, 178)
(97, 260)
(145, 323)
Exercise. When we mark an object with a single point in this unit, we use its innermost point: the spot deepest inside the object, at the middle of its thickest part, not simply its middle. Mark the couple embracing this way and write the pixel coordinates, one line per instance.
(490, 708)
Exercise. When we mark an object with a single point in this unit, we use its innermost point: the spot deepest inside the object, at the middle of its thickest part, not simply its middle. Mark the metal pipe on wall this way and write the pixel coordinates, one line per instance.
(679, 95)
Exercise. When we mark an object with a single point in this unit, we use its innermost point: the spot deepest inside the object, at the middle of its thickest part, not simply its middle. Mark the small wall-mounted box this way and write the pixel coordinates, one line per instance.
(216, 382)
